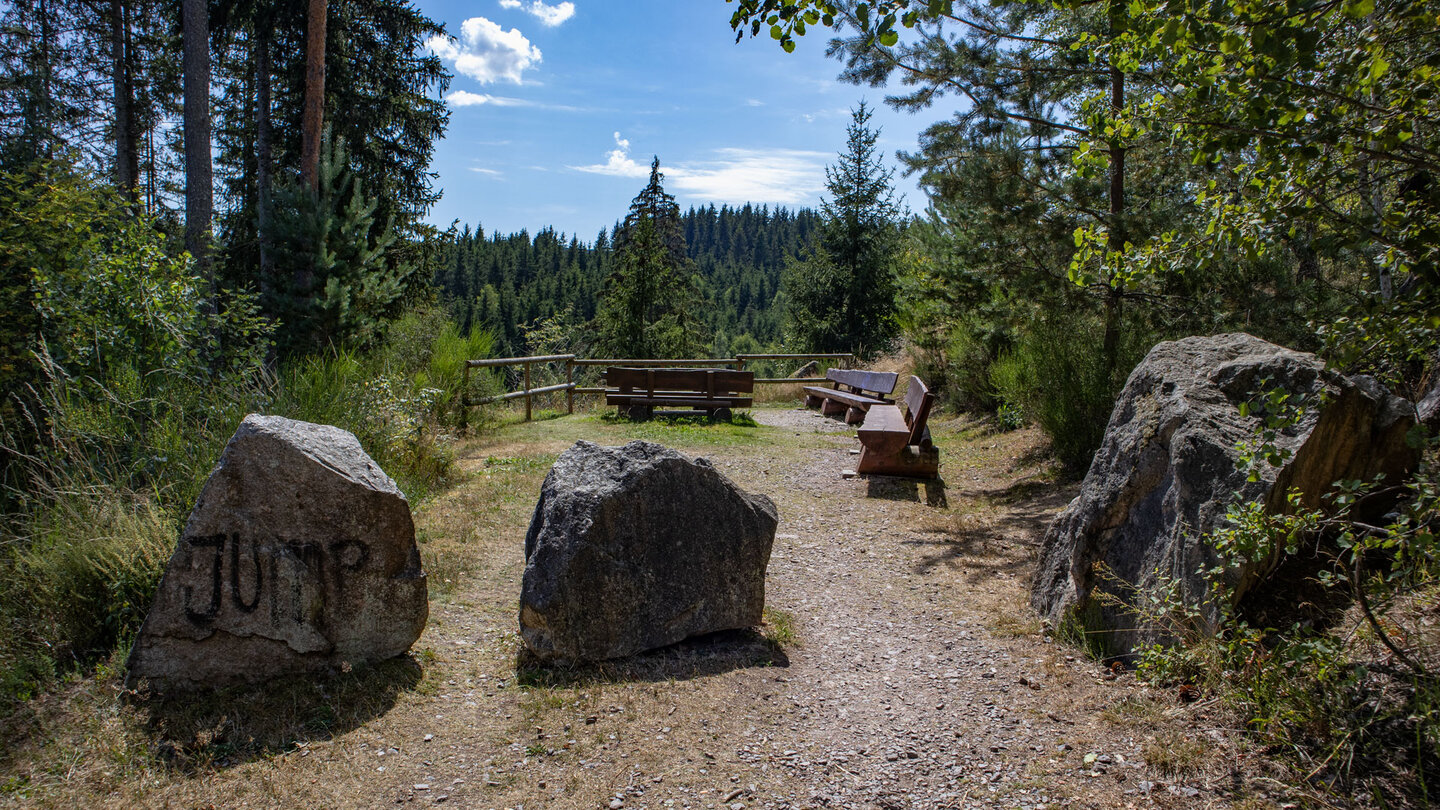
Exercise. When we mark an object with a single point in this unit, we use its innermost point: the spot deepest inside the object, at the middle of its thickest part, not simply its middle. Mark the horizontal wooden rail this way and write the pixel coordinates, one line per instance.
(515, 361)
(526, 393)
(601, 361)
(831, 356)
(572, 362)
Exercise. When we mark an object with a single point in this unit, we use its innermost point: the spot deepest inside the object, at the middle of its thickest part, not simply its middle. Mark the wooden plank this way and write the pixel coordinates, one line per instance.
(912, 462)
(681, 379)
(684, 400)
(852, 400)
(881, 382)
(884, 430)
(918, 401)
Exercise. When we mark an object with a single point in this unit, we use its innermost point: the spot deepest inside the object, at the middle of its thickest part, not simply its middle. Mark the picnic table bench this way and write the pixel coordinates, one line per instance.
(898, 443)
(853, 393)
(637, 391)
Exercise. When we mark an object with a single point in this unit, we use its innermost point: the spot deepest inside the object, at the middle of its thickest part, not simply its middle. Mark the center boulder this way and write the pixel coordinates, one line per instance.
(637, 547)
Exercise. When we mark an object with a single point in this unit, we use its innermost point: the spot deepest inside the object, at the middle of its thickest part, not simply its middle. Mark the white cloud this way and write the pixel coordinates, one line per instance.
(783, 176)
(754, 102)
(481, 170)
(465, 98)
(547, 14)
(737, 176)
(617, 162)
(486, 52)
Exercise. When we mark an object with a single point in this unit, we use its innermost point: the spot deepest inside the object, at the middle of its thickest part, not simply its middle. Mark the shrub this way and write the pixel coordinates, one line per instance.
(1056, 375)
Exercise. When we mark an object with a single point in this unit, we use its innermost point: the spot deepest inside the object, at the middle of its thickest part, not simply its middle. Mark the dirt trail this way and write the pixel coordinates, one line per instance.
(918, 678)
(901, 668)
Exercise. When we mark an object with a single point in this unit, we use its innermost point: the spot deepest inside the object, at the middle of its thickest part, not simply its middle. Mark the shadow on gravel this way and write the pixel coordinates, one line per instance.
(984, 551)
(710, 654)
(1006, 543)
(930, 492)
(200, 732)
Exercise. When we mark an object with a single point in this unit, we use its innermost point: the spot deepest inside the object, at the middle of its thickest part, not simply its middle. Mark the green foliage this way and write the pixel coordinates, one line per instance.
(88, 283)
(841, 296)
(648, 306)
(336, 275)
(1057, 376)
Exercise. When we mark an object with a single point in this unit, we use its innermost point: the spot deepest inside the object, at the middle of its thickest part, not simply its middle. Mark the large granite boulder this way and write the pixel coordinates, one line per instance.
(1169, 467)
(299, 556)
(636, 547)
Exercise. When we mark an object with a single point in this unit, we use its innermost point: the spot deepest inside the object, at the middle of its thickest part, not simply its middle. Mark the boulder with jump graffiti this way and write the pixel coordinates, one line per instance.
(299, 557)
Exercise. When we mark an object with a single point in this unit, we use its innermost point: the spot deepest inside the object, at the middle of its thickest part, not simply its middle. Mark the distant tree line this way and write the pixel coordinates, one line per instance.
(510, 283)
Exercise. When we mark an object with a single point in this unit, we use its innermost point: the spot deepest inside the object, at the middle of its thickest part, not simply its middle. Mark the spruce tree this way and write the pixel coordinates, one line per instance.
(842, 296)
(650, 299)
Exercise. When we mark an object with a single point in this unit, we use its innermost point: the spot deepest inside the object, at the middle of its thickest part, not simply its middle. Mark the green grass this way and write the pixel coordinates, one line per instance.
(779, 628)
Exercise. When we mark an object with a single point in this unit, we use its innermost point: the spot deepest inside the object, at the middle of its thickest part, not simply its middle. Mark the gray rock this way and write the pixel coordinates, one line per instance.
(1428, 408)
(1169, 467)
(636, 547)
(299, 556)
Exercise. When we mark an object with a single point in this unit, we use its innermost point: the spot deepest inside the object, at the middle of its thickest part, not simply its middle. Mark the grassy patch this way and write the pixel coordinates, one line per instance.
(1175, 754)
(779, 628)
(1135, 711)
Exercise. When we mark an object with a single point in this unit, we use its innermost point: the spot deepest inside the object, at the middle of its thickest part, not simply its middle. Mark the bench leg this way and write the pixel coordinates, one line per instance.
(812, 401)
(854, 416)
(720, 415)
(640, 413)
(912, 462)
(832, 408)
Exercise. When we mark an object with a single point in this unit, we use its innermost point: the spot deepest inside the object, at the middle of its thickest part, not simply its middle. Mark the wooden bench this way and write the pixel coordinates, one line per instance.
(853, 392)
(637, 391)
(896, 443)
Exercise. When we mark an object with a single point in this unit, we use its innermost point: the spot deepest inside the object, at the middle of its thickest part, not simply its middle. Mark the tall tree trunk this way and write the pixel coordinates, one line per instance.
(1116, 236)
(127, 153)
(263, 151)
(313, 119)
(199, 192)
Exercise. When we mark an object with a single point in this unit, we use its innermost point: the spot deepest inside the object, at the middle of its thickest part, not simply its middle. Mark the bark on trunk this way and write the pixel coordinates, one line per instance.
(199, 202)
(127, 153)
(313, 118)
(262, 153)
(1117, 235)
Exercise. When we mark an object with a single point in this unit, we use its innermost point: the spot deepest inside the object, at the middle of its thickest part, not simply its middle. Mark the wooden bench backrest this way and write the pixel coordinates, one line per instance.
(881, 382)
(710, 381)
(918, 401)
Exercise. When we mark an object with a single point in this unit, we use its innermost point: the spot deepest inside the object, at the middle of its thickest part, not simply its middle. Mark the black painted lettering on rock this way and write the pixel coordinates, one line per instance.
(246, 569)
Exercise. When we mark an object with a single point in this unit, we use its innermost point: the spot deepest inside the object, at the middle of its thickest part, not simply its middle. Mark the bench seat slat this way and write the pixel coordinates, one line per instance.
(689, 401)
(884, 430)
(857, 400)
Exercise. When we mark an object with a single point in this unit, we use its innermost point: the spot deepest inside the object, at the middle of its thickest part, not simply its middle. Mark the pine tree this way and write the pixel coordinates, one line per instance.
(842, 296)
(337, 277)
(650, 297)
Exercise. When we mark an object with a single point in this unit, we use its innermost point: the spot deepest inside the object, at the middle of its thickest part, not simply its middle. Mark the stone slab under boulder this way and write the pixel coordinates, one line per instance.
(1169, 467)
(637, 547)
(299, 557)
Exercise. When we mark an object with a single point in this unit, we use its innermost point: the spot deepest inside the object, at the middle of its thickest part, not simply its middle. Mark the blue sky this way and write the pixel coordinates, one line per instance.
(557, 108)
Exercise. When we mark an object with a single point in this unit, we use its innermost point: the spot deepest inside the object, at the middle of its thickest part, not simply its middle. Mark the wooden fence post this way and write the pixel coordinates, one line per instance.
(570, 381)
(465, 397)
(527, 392)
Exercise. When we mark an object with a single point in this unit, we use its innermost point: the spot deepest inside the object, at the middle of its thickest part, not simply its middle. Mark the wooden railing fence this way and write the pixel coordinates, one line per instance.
(571, 362)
